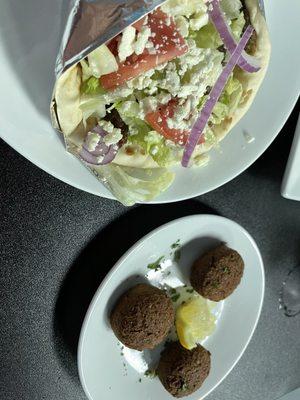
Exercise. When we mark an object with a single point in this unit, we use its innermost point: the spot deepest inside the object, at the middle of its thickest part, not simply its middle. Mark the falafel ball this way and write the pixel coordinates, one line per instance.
(217, 273)
(183, 371)
(142, 317)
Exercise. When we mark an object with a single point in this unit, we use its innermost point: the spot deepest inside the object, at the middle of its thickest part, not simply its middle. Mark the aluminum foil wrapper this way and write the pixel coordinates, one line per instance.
(92, 23)
(89, 24)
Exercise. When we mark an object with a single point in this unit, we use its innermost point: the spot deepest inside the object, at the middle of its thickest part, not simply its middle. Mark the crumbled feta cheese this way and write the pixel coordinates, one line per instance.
(92, 141)
(117, 94)
(171, 82)
(126, 45)
(131, 109)
(161, 67)
(100, 159)
(184, 114)
(154, 150)
(183, 25)
(142, 81)
(142, 39)
(151, 103)
(113, 136)
(164, 98)
(150, 47)
(198, 21)
(153, 137)
(184, 7)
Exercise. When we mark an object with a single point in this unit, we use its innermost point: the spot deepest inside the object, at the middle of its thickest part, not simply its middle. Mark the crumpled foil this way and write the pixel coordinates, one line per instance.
(92, 23)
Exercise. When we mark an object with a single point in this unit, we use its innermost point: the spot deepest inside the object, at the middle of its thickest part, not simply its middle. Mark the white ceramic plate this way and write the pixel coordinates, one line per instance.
(291, 182)
(101, 369)
(29, 39)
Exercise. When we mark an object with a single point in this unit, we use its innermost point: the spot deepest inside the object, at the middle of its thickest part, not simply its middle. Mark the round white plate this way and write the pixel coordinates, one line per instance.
(29, 40)
(101, 369)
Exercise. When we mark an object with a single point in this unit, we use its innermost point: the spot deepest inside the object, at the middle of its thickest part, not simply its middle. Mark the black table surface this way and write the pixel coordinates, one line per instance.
(51, 235)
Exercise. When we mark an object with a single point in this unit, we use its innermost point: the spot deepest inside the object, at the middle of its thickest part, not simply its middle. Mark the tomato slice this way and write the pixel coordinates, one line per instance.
(159, 122)
(166, 40)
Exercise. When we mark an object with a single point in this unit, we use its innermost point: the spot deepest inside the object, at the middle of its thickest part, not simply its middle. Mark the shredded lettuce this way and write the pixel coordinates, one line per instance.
(210, 137)
(86, 70)
(231, 8)
(92, 102)
(232, 95)
(102, 61)
(92, 86)
(227, 104)
(228, 101)
(92, 107)
(132, 185)
(184, 7)
(153, 144)
(237, 26)
(208, 37)
(219, 113)
(142, 135)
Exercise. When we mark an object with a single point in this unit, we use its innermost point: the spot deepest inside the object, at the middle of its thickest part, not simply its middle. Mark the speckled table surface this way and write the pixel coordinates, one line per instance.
(51, 236)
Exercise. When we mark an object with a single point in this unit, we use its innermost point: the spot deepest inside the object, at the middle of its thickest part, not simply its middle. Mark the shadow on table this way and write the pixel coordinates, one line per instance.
(90, 268)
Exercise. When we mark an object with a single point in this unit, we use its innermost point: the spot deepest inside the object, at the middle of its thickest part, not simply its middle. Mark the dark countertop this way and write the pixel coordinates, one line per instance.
(51, 235)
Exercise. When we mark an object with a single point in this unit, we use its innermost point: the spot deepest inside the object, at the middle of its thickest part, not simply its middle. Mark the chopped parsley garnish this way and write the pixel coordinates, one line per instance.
(150, 373)
(156, 265)
(140, 380)
(176, 244)
(173, 291)
(226, 270)
(190, 290)
(177, 255)
(184, 387)
(175, 297)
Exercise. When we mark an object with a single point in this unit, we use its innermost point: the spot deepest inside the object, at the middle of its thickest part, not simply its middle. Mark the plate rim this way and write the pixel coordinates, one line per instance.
(131, 250)
(110, 196)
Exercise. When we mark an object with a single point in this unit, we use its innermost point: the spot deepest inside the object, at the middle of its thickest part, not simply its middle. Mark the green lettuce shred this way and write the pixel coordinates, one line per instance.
(135, 185)
(92, 86)
(207, 37)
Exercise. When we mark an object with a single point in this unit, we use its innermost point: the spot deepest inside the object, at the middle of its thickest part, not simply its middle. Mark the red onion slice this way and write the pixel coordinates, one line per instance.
(213, 98)
(246, 62)
(102, 154)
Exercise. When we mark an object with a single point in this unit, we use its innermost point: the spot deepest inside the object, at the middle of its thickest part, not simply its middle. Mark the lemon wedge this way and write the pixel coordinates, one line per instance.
(194, 322)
